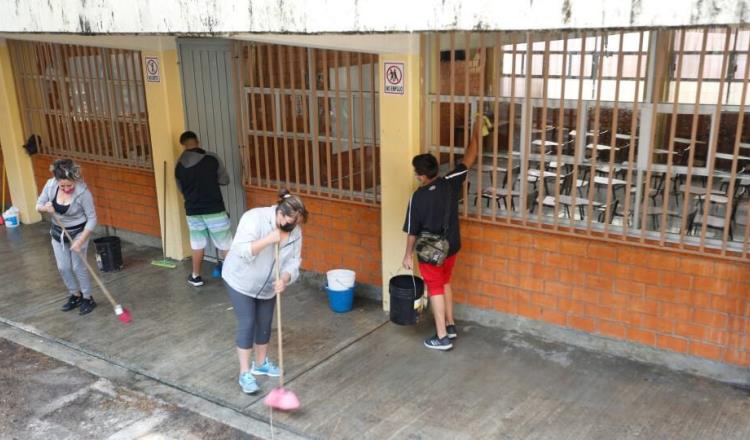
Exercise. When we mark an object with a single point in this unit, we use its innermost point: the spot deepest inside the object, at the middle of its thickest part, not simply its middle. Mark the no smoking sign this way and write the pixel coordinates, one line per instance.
(393, 76)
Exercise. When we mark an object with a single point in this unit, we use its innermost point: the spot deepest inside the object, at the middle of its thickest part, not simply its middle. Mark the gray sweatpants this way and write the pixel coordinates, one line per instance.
(71, 267)
(254, 318)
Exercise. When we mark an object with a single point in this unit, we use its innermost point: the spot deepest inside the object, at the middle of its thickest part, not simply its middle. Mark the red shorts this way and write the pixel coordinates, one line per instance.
(436, 277)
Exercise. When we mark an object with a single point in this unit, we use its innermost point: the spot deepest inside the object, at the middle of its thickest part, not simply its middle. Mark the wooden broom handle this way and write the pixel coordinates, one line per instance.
(88, 266)
(278, 317)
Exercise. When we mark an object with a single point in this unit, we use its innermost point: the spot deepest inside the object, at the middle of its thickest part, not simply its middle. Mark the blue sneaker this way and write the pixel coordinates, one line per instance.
(435, 343)
(248, 383)
(267, 369)
(217, 270)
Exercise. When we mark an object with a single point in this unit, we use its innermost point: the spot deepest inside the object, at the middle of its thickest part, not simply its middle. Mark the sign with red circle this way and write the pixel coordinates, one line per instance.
(393, 77)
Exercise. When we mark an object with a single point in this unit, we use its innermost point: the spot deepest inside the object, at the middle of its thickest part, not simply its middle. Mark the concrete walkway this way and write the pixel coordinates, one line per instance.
(46, 399)
(357, 375)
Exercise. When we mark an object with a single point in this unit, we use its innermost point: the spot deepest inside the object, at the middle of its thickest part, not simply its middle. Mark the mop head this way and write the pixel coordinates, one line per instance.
(123, 314)
(282, 399)
(164, 262)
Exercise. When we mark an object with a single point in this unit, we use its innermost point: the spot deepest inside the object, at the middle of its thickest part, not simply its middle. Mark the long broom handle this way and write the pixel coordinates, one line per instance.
(278, 318)
(88, 266)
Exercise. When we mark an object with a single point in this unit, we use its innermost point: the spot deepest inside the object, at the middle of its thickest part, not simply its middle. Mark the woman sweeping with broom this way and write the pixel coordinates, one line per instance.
(67, 197)
(253, 280)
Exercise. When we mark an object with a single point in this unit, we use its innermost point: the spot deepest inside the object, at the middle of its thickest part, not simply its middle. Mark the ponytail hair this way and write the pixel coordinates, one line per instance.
(66, 169)
(291, 205)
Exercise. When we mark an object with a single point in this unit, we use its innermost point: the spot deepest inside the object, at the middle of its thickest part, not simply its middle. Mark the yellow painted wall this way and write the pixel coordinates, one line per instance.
(167, 121)
(17, 163)
(399, 142)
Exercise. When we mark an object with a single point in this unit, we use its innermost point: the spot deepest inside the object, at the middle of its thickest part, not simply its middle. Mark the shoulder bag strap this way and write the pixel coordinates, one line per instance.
(447, 218)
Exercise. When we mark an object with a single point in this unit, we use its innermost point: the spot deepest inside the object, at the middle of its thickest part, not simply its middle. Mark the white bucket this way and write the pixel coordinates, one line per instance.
(11, 217)
(341, 279)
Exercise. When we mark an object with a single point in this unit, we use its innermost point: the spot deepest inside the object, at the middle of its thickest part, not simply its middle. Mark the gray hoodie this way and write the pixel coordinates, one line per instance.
(253, 275)
(81, 206)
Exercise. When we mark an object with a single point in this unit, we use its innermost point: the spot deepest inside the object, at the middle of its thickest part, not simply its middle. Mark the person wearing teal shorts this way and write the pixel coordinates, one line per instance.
(199, 175)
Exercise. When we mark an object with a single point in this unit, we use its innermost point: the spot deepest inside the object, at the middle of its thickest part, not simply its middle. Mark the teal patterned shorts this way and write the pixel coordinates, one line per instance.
(217, 226)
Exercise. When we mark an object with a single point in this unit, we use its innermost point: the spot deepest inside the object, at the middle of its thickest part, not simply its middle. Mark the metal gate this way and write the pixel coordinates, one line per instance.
(206, 71)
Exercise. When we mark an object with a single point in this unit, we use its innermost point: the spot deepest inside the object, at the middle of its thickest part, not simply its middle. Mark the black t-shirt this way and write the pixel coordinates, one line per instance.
(428, 205)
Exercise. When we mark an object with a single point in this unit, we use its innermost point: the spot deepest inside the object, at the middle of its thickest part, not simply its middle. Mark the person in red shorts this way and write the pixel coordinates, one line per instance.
(427, 212)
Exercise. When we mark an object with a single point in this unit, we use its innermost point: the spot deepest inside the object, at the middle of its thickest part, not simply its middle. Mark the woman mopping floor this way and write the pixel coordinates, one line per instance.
(248, 274)
(67, 196)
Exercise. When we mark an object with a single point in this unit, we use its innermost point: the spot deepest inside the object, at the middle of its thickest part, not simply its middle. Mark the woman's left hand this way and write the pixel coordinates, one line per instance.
(279, 286)
(76, 246)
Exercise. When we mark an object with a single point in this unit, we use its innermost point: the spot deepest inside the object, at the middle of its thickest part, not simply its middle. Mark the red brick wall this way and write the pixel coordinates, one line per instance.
(337, 235)
(124, 198)
(683, 303)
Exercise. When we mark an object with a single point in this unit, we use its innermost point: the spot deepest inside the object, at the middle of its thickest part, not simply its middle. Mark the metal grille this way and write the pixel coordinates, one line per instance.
(622, 136)
(83, 102)
(309, 120)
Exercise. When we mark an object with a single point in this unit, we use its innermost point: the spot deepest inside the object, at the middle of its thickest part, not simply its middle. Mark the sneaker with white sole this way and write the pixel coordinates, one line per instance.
(436, 343)
(248, 383)
(267, 369)
(452, 331)
(195, 281)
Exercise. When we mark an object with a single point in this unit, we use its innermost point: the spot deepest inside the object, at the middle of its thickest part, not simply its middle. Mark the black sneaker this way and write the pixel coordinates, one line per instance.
(195, 281)
(87, 305)
(436, 343)
(452, 331)
(72, 303)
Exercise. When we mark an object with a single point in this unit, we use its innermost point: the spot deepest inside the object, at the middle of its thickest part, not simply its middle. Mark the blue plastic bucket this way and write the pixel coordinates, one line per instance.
(340, 301)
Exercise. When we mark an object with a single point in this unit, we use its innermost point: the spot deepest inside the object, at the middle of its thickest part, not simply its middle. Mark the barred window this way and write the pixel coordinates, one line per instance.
(613, 140)
(83, 102)
(309, 120)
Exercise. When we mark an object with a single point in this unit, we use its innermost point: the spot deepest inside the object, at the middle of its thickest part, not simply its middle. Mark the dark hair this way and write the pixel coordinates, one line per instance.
(65, 169)
(290, 205)
(184, 137)
(425, 165)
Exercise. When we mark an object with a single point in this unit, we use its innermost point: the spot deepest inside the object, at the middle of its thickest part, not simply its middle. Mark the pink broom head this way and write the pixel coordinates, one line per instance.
(282, 399)
(123, 314)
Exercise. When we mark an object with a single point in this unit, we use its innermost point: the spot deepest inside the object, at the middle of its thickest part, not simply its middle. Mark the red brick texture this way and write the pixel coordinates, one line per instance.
(337, 235)
(124, 198)
(682, 303)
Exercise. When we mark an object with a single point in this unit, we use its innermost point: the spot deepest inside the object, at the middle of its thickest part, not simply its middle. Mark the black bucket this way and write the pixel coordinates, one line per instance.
(108, 254)
(404, 290)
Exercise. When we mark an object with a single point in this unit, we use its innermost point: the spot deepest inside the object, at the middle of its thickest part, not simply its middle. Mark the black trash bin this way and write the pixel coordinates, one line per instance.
(404, 290)
(108, 254)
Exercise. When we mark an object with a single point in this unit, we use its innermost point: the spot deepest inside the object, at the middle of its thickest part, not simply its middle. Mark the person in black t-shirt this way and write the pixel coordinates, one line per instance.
(426, 212)
(199, 174)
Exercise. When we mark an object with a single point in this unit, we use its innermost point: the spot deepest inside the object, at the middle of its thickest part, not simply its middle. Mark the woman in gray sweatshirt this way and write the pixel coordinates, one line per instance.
(249, 277)
(67, 196)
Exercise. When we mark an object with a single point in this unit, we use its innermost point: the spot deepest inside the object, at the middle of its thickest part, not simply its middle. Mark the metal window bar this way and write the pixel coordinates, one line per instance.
(622, 173)
(322, 123)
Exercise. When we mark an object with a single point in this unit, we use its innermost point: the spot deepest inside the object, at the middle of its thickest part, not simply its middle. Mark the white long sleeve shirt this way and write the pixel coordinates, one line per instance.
(253, 275)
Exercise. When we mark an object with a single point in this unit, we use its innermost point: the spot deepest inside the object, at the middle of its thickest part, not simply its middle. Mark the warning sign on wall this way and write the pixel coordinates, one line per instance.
(153, 73)
(393, 78)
